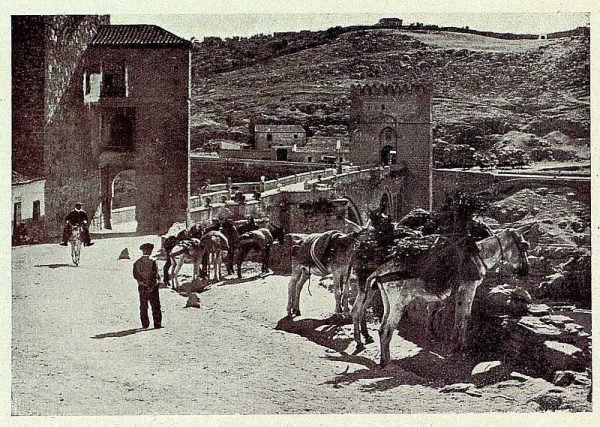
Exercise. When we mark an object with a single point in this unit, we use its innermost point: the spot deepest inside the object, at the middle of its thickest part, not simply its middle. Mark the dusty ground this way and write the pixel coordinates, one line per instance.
(77, 350)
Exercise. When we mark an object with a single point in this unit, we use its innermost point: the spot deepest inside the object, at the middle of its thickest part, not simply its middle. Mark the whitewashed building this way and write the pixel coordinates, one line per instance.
(27, 207)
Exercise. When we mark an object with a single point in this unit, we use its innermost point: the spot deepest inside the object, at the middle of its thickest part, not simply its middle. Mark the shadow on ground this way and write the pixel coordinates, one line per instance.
(433, 365)
(119, 333)
(55, 265)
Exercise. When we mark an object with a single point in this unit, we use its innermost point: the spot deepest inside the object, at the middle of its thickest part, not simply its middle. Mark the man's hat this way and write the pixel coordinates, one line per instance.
(78, 203)
(147, 247)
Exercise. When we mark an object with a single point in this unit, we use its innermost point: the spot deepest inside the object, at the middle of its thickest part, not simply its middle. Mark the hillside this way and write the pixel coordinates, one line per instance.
(483, 87)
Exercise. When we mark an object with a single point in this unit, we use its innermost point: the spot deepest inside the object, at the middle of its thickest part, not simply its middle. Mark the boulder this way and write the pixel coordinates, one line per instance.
(549, 400)
(457, 388)
(562, 356)
(193, 300)
(563, 378)
(520, 377)
(557, 138)
(538, 309)
(556, 319)
(504, 299)
(484, 367)
(124, 254)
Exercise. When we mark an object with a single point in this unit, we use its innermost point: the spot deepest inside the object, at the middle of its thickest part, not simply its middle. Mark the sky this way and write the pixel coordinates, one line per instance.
(247, 24)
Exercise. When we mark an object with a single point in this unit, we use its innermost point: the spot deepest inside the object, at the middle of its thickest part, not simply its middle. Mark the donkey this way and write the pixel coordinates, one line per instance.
(261, 241)
(75, 239)
(328, 253)
(454, 265)
(233, 230)
(196, 231)
(212, 243)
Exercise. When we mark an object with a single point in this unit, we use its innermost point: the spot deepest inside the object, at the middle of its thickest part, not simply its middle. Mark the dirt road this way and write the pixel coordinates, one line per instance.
(77, 349)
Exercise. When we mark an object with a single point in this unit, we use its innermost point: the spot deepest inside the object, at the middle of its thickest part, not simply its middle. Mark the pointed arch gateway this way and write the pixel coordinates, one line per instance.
(388, 139)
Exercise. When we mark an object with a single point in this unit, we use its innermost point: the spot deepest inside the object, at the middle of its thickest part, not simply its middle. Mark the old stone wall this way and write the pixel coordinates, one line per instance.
(278, 138)
(243, 170)
(157, 99)
(447, 182)
(395, 118)
(68, 149)
(28, 79)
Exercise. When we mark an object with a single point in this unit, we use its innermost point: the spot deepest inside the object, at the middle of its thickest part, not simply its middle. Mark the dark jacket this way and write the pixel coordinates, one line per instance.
(145, 271)
(77, 217)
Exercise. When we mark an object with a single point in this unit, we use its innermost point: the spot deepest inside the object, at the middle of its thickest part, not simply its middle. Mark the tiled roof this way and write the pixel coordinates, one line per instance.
(279, 128)
(19, 178)
(136, 35)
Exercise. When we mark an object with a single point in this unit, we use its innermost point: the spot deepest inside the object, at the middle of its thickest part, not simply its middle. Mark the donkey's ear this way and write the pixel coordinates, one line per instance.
(530, 233)
(353, 225)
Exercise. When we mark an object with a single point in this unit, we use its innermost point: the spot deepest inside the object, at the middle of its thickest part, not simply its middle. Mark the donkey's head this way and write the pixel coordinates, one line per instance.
(278, 233)
(514, 247)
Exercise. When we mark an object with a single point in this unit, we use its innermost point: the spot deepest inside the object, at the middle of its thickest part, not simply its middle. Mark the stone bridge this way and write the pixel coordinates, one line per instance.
(504, 183)
(307, 202)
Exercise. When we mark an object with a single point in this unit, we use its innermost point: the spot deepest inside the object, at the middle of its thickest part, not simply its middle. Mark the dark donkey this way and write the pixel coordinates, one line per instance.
(233, 230)
(261, 241)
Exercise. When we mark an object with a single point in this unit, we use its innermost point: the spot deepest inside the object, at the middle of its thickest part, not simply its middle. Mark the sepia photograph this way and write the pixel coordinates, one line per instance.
(322, 211)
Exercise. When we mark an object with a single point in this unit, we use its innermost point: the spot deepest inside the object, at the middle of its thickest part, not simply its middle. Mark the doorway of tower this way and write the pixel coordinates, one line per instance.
(282, 154)
(385, 203)
(119, 195)
(388, 155)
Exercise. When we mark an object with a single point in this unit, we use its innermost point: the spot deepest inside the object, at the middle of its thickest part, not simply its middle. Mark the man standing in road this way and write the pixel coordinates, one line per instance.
(145, 271)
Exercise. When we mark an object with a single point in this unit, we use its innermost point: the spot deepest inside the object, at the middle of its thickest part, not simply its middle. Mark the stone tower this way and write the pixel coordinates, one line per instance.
(90, 100)
(392, 127)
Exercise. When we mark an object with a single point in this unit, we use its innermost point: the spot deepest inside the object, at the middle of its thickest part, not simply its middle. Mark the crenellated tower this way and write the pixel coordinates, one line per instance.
(392, 126)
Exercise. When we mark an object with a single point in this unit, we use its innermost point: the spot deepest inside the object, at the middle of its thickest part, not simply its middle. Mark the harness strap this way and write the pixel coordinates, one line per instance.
(316, 260)
(179, 252)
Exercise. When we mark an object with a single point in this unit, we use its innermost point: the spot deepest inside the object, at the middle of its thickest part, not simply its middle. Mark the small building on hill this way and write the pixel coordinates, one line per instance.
(323, 149)
(390, 22)
(268, 136)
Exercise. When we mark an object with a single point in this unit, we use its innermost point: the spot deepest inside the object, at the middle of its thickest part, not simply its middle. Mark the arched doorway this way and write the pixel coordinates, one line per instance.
(385, 204)
(123, 202)
(353, 213)
(388, 139)
(388, 155)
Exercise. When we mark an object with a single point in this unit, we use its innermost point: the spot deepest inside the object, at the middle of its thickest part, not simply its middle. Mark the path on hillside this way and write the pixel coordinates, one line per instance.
(76, 349)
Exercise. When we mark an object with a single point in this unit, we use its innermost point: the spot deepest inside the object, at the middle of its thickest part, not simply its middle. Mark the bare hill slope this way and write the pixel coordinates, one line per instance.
(482, 85)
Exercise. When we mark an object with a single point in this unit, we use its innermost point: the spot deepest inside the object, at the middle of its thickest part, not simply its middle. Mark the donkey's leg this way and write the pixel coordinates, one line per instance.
(230, 256)
(266, 254)
(368, 298)
(178, 264)
(337, 290)
(357, 313)
(462, 311)
(172, 273)
(395, 300)
(304, 275)
(166, 268)
(219, 259)
(296, 273)
(242, 255)
(345, 286)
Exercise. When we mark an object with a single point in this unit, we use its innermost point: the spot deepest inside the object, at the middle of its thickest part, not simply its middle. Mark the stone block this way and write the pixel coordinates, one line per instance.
(538, 309)
(193, 300)
(562, 356)
(124, 254)
(484, 367)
